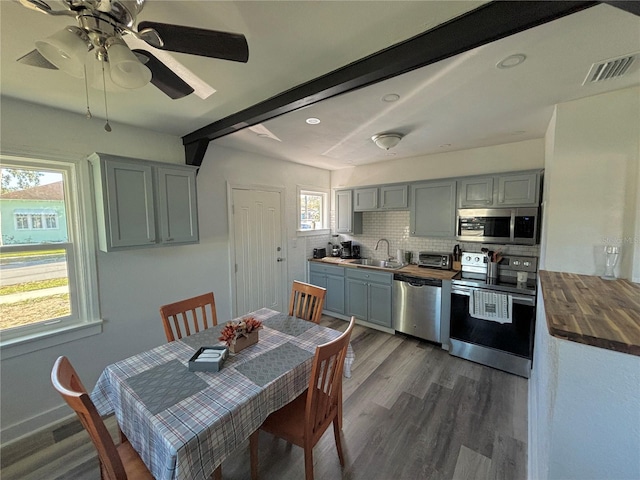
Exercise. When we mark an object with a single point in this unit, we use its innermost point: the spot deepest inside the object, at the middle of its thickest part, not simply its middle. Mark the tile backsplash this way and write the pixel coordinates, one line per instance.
(394, 226)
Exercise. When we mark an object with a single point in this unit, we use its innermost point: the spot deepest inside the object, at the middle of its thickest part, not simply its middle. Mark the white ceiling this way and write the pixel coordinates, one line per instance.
(462, 102)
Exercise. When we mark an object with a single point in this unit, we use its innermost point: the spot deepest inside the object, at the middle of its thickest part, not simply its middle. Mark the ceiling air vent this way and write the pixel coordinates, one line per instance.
(612, 68)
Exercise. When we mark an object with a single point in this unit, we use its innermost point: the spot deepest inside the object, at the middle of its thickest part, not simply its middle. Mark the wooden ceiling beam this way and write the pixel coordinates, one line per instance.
(486, 24)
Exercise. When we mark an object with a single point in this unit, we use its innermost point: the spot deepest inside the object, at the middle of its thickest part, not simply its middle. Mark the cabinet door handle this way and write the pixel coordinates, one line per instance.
(169, 239)
(279, 259)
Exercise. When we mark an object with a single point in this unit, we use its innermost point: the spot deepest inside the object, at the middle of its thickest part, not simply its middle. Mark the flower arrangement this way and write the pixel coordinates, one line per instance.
(232, 331)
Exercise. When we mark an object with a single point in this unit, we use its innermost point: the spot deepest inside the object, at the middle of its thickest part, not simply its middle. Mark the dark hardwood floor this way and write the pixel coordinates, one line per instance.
(411, 411)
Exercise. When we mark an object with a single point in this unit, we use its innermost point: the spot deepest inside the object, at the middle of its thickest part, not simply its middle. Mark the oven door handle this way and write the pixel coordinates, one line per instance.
(519, 299)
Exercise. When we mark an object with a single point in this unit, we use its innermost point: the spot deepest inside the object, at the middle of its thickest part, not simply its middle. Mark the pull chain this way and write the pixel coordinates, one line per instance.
(107, 127)
(86, 90)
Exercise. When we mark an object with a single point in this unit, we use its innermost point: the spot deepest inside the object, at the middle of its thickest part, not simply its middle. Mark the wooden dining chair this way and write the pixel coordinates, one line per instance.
(304, 420)
(117, 462)
(188, 315)
(307, 301)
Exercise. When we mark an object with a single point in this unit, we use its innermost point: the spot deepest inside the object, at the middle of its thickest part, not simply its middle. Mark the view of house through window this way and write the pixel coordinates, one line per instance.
(35, 248)
(312, 210)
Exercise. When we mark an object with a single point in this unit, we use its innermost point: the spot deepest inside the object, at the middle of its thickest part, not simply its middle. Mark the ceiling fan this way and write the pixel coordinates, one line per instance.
(102, 26)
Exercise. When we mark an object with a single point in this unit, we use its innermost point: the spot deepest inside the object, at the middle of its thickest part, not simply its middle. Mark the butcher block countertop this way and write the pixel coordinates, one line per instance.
(408, 270)
(587, 309)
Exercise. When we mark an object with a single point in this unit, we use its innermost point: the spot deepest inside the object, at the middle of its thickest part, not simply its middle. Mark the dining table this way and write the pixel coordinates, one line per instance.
(184, 423)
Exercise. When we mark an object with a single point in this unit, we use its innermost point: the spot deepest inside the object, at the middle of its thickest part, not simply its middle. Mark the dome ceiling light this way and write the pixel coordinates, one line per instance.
(387, 141)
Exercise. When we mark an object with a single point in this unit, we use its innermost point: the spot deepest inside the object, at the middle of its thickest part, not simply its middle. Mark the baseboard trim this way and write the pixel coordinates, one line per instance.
(24, 445)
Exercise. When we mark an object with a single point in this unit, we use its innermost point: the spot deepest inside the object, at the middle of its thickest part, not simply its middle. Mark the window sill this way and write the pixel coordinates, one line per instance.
(38, 341)
(310, 233)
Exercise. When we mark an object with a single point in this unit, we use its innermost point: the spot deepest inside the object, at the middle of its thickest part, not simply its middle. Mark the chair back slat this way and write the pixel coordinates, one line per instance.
(66, 381)
(325, 382)
(183, 318)
(307, 301)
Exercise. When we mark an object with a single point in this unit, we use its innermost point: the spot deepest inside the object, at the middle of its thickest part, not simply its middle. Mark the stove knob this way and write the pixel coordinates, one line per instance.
(468, 257)
(515, 263)
(526, 264)
(477, 259)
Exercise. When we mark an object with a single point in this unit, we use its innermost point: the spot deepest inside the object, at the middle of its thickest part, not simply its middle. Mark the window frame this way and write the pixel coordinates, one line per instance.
(309, 190)
(81, 262)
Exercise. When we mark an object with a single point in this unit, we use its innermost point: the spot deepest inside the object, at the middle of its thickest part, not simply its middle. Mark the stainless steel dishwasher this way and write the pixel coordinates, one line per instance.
(417, 304)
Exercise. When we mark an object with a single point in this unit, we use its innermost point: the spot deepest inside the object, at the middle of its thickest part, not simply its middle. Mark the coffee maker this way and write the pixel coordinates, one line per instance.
(346, 249)
(349, 250)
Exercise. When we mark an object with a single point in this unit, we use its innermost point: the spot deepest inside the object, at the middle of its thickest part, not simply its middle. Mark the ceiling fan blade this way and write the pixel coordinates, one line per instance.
(163, 77)
(197, 41)
(35, 59)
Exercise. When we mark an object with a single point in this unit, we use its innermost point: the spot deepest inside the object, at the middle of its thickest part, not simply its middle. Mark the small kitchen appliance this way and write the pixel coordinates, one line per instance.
(355, 251)
(336, 251)
(442, 261)
(518, 226)
(346, 250)
(319, 252)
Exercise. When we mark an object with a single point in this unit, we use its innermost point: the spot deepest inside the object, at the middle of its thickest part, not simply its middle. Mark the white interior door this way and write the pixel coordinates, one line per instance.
(259, 255)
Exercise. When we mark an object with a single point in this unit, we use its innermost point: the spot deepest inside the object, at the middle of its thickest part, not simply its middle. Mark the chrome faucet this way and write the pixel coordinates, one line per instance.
(389, 257)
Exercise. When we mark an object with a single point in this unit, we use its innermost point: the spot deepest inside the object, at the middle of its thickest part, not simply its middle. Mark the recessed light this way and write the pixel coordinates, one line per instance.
(445, 145)
(391, 97)
(313, 121)
(511, 61)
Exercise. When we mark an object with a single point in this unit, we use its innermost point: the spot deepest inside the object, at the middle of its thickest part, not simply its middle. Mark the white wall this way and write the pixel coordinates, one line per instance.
(584, 414)
(591, 184)
(133, 284)
(584, 405)
(526, 155)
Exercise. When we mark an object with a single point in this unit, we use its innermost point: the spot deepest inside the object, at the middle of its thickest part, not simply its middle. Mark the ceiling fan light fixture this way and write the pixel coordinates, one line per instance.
(126, 70)
(66, 49)
(387, 141)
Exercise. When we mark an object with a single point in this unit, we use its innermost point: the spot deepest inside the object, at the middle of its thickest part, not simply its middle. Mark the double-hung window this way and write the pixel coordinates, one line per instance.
(313, 210)
(48, 285)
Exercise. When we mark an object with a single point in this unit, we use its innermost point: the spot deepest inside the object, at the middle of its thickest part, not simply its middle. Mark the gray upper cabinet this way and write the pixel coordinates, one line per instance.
(507, 190)
(177, 207)
(385, 197)
(365, 199)
(475, 192)
(143, 204)
(347, 221)
(519, 190)
(433, 209)
(394, 197)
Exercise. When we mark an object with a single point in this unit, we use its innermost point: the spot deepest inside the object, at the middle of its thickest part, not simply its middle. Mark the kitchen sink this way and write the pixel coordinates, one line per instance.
(367, 262)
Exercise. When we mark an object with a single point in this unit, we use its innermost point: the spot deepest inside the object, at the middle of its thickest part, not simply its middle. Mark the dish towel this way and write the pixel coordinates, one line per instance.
(495, 307)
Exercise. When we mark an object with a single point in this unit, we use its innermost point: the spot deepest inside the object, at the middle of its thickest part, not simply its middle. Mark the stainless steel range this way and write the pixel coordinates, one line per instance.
(493, 318)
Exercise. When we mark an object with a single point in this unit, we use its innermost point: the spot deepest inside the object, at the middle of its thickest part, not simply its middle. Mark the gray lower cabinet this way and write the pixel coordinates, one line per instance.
(433, 209)
(332, 278)
(369, 296)
(141, 203)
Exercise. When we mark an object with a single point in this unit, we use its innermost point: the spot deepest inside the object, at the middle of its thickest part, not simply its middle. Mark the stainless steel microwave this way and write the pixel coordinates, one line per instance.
(498, 225)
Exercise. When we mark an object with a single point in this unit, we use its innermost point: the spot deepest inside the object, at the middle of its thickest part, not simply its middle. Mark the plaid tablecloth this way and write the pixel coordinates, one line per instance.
(183, 424)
